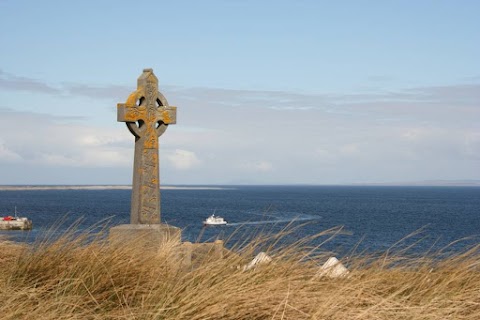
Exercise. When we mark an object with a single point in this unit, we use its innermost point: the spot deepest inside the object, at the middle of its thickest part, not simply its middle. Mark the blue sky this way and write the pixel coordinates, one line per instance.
(269, 92)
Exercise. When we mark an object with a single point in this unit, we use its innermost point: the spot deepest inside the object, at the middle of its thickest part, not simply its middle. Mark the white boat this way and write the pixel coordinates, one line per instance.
(15, 222)
(214, 220)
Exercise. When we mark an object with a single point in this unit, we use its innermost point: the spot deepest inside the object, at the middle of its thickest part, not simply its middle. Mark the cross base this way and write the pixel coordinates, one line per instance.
(145, 236)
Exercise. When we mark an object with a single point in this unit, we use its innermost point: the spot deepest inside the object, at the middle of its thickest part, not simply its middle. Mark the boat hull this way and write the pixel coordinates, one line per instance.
(205, 223)
(16, 224)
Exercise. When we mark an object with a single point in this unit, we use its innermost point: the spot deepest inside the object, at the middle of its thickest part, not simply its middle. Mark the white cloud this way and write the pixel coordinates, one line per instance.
(104, 138)
(88, 158)
(34, 139)
(6, 154)
(56, 160)
(183, 159)
(413, 133)
(350, 149)
(257, 166)
(472, 145)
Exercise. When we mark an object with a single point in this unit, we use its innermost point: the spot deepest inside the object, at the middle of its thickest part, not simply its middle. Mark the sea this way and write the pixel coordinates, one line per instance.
(340, 219)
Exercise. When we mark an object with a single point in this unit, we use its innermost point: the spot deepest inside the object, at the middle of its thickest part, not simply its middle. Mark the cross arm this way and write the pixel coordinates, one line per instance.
(169, 115)
(129, 111)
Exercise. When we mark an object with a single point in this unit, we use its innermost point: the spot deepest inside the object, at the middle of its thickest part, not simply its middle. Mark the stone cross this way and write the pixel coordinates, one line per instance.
(147, 115)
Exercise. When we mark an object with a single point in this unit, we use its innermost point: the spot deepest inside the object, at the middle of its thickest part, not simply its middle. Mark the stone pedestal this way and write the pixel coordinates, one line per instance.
(218, 249)
(145, 236)
(187, 249)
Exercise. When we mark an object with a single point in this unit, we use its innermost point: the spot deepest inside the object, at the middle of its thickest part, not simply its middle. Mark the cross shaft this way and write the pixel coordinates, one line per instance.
(147, 115)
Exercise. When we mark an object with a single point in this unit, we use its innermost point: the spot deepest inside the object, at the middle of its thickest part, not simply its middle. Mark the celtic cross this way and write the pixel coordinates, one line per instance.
(147, 115)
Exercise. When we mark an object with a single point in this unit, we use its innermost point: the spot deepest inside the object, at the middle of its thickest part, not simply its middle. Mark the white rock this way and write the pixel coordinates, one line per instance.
(261, 258)
(333, 269)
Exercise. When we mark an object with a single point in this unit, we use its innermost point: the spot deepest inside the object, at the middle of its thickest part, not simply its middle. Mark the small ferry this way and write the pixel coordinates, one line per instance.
(15, 222)
(214, 220)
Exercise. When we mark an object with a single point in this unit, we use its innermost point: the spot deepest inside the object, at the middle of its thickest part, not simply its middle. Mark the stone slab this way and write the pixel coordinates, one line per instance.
(193, 254)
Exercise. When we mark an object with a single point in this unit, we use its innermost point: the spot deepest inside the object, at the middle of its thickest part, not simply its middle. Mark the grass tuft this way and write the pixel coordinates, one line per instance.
(80, 277)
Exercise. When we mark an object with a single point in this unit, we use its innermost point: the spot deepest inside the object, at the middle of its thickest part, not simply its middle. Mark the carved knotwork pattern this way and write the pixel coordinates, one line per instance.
(150, 199)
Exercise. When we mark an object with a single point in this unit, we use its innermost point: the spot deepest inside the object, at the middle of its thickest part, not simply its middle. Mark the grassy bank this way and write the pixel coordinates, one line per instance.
(77, 279)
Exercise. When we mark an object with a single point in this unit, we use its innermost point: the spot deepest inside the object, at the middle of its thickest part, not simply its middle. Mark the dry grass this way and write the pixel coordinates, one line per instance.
(72, 278)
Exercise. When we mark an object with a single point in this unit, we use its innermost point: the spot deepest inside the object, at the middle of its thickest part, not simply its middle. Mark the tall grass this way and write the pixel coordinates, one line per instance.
(76, 277)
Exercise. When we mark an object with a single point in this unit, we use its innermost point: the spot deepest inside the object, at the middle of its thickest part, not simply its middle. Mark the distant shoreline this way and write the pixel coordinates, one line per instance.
(105, 187)
(427, 183)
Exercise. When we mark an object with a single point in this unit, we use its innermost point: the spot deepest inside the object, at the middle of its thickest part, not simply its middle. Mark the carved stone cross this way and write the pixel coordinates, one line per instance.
(147, 115)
